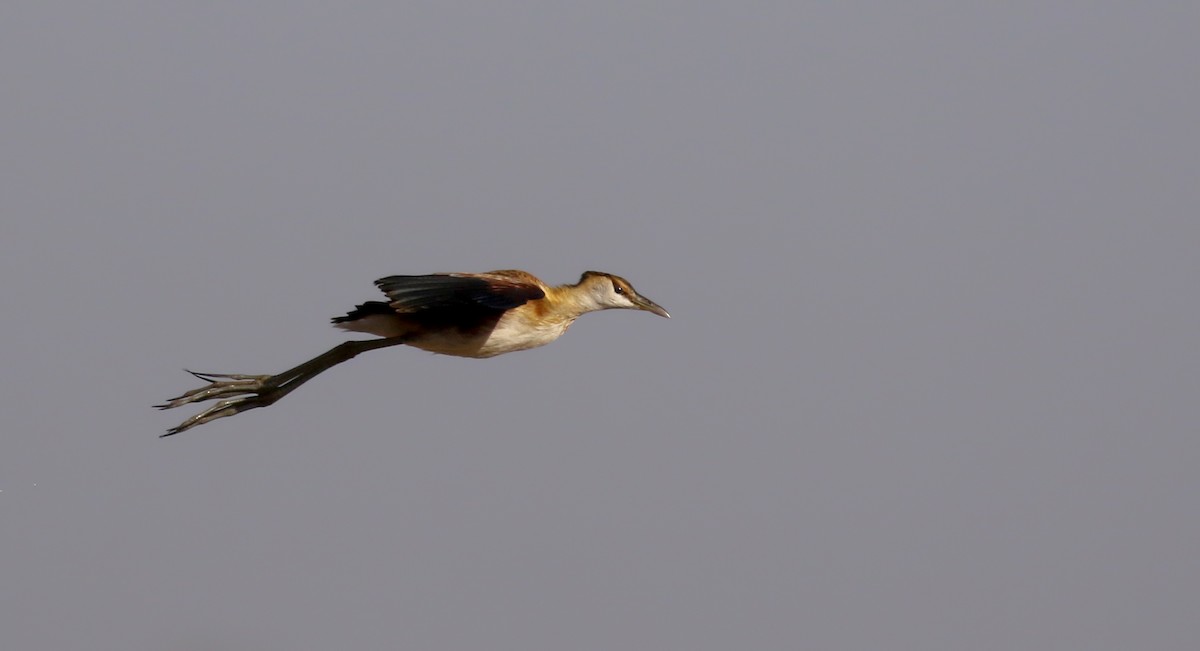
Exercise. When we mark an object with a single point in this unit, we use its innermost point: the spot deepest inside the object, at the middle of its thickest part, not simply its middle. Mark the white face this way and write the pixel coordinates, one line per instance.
(610, 294)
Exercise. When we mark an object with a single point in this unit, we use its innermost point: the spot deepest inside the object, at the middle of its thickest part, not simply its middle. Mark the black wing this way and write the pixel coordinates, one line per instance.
(408, 294)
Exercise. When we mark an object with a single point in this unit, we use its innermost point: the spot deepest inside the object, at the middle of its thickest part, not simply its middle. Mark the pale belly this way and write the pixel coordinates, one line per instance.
(510, 334)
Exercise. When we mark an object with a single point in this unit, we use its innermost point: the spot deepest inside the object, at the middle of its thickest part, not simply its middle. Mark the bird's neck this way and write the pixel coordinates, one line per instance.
(569, 302)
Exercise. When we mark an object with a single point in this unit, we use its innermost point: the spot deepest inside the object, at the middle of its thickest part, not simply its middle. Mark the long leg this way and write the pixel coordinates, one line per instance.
(240, 393)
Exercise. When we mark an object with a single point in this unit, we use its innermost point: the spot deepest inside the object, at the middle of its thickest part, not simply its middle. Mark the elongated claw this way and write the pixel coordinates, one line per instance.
(240, 392)
(212, 377)
(230, 407)
(240, 385)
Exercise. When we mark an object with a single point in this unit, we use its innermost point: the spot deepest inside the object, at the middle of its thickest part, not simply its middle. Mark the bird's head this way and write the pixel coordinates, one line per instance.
(606, 291)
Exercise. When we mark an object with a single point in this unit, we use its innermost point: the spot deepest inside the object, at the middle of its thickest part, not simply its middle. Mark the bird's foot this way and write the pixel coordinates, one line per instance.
(219, 385)
(238, 393)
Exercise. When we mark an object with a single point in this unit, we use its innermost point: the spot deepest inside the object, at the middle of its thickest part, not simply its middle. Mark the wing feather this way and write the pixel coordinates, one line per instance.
(495, 290)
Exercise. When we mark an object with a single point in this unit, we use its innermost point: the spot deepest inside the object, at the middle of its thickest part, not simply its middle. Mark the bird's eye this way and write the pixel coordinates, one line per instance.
(618, 289)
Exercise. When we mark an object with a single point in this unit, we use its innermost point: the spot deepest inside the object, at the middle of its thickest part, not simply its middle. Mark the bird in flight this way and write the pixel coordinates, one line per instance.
(462, 314)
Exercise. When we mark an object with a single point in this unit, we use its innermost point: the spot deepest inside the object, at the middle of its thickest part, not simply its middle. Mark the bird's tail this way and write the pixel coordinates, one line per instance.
(373, 317)
(370, 308)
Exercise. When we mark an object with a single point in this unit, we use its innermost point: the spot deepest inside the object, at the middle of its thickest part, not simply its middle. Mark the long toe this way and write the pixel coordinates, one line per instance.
(241, 385)
(210, 377)
(229, 407)
(222, 409)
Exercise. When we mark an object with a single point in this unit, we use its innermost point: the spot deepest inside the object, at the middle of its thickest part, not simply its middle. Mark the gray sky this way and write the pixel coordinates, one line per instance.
(931, 381)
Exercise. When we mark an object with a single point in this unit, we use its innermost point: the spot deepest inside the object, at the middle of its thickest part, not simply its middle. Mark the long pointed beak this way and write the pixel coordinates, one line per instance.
(648, 305)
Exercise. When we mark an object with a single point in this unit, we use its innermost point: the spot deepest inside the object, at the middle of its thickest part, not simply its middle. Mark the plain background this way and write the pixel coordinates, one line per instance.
(932, 380)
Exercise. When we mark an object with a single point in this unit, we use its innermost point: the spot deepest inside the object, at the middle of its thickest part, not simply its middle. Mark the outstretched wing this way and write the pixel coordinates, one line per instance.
(498, 290)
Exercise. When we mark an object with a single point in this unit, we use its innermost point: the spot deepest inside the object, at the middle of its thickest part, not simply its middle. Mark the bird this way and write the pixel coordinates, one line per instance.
(476, 315)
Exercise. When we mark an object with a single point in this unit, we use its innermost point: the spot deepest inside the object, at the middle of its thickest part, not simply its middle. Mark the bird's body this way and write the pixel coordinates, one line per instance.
(508, 332)
(443, 313)
(484, 315)
(462, 314)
